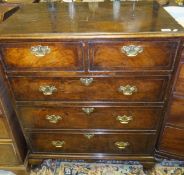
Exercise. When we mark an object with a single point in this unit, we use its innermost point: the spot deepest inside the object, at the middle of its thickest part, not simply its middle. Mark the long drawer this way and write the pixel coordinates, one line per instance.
(90, 117)
(132, 55)
(65, 56)
(128, 89)
(120, 143)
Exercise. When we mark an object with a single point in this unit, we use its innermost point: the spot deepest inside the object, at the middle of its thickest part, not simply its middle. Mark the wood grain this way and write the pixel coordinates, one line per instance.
(90, 20)
(172, 141)
(8, 155)
(4, 134)
(102, 117)
(108, 55)
(150, 89)
(63, 56)
(100, 143)
(175, 116)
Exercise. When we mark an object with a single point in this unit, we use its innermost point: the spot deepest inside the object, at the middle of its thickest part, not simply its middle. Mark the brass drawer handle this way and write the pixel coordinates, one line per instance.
(86, 81)
(88, 111)
(47, 90)
(58, 143)
(40, 51)
(121, 145)
(127, 90)
(124, 119)
(89, 136)
(53, 118)
(132, 50)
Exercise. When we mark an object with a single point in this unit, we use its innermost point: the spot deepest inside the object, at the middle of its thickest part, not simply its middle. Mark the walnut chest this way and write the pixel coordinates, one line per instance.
(91, 80)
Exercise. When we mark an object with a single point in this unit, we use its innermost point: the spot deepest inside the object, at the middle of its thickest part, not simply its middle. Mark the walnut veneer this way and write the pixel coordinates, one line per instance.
(93, 80)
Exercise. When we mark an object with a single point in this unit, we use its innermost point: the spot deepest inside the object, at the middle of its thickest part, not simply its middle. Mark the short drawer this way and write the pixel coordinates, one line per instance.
(4, 134)
(89, 117)
(132, 55)
(140, 89)
(175, 116)
(7, 154)
(64, 56)
(180, 81)
(173, 141)
(122, 143)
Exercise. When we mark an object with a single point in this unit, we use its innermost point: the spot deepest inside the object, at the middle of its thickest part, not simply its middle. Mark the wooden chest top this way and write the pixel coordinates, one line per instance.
(90, 20)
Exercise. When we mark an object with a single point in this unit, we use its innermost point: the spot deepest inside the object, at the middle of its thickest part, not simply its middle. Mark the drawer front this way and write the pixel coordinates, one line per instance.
(180, 82)
(89, 117)
(49, 56)
(173, 141)
(4, 134)
(97, 143)
(175, 116)
(142, 89)
(132, 55)
(7, 154)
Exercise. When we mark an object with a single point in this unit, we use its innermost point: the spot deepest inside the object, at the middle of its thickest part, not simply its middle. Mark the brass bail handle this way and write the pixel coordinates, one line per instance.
(47, 90)
(40, 51)
(124, 119)
(121, 145)
(53, 118)
(132, 50)
(58, 143)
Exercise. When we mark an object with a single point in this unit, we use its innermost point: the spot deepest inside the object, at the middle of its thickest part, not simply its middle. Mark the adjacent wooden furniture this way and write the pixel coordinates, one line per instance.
(12, 143)
(92, 80)
(172, 139)
(13, 147)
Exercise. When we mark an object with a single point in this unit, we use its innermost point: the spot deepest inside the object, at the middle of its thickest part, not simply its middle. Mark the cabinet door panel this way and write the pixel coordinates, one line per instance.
(173, 141)
(176, 114)
(7, 154)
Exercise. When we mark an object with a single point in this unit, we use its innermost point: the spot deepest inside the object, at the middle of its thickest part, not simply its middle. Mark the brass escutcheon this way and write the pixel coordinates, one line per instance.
(89, 135)
(86, 81)
(88, 111)
(53, 118)
(47, 90)
(127, 90)
(124, 119)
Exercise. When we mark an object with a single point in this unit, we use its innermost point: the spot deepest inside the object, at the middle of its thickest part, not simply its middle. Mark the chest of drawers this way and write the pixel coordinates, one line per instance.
(81, 95)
